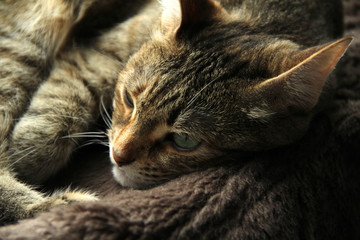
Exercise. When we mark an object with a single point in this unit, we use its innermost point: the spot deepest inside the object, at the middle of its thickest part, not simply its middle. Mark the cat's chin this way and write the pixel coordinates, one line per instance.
(121, 177)
(124, 178)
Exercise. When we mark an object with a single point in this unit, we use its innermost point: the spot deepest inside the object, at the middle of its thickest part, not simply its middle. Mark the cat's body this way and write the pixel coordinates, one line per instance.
(211, 82)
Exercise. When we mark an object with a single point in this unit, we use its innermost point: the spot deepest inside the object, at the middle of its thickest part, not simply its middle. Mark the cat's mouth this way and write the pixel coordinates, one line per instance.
(126, 175)
(132, 176)
(119, 173)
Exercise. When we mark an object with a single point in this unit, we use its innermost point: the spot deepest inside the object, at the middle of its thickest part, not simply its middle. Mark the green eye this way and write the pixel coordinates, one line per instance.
(184, 142)
(128, 100)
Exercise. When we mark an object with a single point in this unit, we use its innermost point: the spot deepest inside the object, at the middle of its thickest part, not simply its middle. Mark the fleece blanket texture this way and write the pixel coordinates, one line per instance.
(309, 190)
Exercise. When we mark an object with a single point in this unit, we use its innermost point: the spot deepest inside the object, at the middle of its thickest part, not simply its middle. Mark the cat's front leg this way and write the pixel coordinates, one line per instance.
(41, 142)
(65, 106)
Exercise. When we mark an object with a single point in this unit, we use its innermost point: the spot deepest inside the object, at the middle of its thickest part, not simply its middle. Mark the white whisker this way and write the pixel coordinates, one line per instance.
(198, 94)
(106, 117)
(91, 142)
(87, 135)
(90, 133)
(57, 116)
(104, 144)
(29, 152)
(84, 145)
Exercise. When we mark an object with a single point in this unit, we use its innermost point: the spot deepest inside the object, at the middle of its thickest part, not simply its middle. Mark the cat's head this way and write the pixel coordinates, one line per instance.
(207, 85)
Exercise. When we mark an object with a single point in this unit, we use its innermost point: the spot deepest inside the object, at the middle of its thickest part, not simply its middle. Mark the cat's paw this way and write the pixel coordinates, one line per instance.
(61, 198)
(74, 196)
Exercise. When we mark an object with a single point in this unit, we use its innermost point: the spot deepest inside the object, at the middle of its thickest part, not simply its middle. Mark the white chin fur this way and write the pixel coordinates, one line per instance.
(119, 176)
(125, 179)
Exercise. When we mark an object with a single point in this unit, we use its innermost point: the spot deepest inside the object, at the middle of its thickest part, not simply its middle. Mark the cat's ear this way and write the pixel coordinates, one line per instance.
(301, 86)
(181, 14)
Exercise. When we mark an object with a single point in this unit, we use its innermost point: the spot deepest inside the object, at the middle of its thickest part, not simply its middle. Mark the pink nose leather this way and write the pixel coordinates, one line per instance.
(121, 159)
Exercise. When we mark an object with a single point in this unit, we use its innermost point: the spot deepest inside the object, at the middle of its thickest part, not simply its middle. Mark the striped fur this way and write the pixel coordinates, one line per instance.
(197, 68)
(32, 35)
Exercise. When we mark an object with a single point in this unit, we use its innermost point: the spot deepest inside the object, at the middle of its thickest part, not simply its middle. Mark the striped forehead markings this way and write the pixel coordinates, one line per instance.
(160, 131)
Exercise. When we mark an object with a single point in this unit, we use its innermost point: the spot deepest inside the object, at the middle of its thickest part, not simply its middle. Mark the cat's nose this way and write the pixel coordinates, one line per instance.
(122, 159)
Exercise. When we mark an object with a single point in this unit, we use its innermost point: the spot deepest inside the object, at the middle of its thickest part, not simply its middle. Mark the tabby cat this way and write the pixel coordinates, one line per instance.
(200, 81)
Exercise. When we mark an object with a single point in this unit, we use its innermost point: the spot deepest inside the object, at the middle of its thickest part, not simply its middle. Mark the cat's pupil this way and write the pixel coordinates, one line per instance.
(128, 99)
(184, 142)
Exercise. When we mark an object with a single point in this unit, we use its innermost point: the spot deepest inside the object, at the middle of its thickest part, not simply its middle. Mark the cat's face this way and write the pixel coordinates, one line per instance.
(157, 131)
(186, 101)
